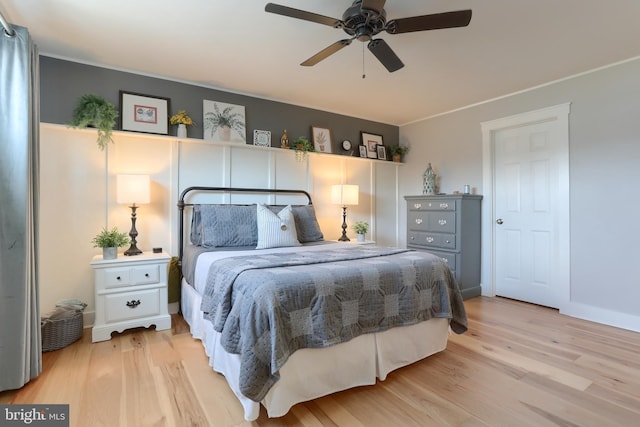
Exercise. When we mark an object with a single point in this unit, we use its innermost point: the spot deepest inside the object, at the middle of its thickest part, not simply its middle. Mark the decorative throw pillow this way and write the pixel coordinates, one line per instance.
(275, 230)
(307, 226)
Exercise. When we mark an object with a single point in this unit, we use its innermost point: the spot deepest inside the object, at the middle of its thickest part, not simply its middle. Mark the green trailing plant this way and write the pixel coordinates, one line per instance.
(95, 111)
(110, 239)
(217, 119)
(360, 227)
(302, 146)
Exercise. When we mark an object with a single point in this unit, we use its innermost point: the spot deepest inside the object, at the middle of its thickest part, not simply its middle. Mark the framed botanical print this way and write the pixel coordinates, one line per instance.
(371, 141)
(144, 113)
(321, 138)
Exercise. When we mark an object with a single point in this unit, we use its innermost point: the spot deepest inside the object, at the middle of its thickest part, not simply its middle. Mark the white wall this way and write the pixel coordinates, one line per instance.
(77, 196)
(604, 129)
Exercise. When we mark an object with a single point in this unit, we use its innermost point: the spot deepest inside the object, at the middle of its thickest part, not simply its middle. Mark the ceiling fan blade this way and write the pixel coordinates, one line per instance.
(436, 21)
(301, 14)
(376, 5)
(327, 51)
(385, 55)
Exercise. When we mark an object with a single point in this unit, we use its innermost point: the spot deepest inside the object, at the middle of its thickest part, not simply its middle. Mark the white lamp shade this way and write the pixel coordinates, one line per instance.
(133, 189)
(344, 194)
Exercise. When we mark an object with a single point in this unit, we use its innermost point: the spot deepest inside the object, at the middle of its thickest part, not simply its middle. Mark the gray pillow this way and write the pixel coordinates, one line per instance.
(227, 225)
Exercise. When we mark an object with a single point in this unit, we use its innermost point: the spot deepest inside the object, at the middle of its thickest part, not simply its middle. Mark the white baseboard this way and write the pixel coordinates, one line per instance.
(601, 315)
(174, 307)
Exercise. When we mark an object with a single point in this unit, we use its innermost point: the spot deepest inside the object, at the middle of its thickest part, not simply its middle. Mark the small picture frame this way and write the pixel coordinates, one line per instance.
(371, 141)
(144, 113)
(363, 151)
(322, 139)
(262, 138)
(382, 152)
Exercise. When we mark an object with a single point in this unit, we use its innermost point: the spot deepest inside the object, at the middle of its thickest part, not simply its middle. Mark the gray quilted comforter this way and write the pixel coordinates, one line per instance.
(266, 306)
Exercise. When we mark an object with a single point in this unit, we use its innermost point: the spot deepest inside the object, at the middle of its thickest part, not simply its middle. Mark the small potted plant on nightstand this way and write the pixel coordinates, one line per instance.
(360, 227)
(110, 241)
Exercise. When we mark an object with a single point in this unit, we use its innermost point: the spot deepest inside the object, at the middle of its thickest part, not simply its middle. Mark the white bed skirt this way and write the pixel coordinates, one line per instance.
(342, 366)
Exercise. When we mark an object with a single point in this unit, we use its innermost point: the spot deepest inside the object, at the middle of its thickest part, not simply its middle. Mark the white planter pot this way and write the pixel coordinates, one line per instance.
(109, 253)
(360, 237)
(182, 131)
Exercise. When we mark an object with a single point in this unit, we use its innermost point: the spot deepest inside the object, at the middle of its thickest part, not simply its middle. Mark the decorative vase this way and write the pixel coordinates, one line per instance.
(360, 238)
(182, 131)
(109, 253)
(429, 182)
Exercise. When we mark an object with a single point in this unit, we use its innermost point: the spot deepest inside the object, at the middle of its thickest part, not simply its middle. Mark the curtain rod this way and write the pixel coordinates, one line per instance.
(8, 29)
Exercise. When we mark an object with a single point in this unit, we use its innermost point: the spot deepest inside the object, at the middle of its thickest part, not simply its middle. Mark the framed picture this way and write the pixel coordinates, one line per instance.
(321, 138)
(224, 122)
(262, 138)
(371, 141)
(363, 151)
(382, 152)
(144, 113)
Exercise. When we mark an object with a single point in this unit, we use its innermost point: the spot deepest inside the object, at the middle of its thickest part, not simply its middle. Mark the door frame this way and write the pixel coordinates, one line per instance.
(560, 114)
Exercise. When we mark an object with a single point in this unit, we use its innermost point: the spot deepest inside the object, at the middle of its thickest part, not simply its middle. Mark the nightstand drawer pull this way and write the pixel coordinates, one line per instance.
(133, 303)
(146, 275)
(118, 278)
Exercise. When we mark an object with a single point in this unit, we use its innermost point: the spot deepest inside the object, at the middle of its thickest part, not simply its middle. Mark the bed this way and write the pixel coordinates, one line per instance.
(288, 317)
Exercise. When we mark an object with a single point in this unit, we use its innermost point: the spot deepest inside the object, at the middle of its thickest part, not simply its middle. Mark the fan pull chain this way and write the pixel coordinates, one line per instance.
(363, 74)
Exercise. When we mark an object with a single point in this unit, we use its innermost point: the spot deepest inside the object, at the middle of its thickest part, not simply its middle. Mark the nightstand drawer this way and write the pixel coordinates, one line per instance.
(145, 274)
(131, 305)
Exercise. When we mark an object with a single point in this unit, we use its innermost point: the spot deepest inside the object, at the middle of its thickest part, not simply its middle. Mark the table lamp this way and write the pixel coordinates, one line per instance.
(344, 194)
(132, 189)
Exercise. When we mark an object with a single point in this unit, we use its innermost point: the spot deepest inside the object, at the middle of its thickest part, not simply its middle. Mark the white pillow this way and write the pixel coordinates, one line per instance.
(276, 230)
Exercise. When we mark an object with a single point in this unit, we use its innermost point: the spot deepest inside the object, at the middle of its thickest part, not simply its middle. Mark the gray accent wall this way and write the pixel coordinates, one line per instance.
(63, 82)
(604, 161)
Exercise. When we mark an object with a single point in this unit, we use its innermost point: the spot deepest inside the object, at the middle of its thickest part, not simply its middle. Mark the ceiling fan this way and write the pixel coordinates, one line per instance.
(366, 18)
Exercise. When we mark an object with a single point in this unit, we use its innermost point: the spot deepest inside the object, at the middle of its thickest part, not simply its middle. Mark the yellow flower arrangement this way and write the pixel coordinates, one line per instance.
(181, 119)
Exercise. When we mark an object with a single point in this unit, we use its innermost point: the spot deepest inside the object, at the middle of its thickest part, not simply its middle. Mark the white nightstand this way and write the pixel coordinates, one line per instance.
(131, 291)
(355, 242)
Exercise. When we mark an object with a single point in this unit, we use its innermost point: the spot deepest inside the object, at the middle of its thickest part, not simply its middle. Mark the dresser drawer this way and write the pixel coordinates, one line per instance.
(141, 275)
(439, 222)
(432, 205)
(131, 305)
(422, 238)
(449, 259)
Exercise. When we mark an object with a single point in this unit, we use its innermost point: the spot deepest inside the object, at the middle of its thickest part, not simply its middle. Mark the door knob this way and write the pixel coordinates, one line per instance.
(499, 220)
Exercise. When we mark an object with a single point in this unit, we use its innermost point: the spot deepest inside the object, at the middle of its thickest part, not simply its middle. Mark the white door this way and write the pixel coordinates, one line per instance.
(529, 169)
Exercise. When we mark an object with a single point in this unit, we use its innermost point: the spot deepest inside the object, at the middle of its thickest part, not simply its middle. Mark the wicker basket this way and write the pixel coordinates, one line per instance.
(60, 328)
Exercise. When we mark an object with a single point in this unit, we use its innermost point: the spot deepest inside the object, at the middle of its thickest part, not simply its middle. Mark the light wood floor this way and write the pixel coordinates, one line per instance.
(518, 365)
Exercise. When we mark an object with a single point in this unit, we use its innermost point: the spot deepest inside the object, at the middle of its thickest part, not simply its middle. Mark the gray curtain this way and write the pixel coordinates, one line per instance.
(20, 341)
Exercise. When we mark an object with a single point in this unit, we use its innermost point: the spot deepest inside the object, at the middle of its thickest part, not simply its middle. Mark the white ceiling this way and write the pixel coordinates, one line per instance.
(233, 45)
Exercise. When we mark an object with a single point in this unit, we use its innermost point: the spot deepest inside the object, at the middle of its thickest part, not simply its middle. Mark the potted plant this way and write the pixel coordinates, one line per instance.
(110, 241)
(224, 120)
(360, 227)
(397, 151)
(302, 146)
(94, 111)
(183, 120)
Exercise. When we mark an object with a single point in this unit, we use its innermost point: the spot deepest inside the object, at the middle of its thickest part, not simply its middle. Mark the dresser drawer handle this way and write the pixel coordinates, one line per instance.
(418, 220)
(133, 303)
(412, 237)
(430, 239)
(447, 241)
(442, 221)
(417, 205)
(444, 205)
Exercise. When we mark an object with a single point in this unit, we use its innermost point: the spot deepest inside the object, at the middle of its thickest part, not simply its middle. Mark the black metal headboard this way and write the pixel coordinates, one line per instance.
(182, 204)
